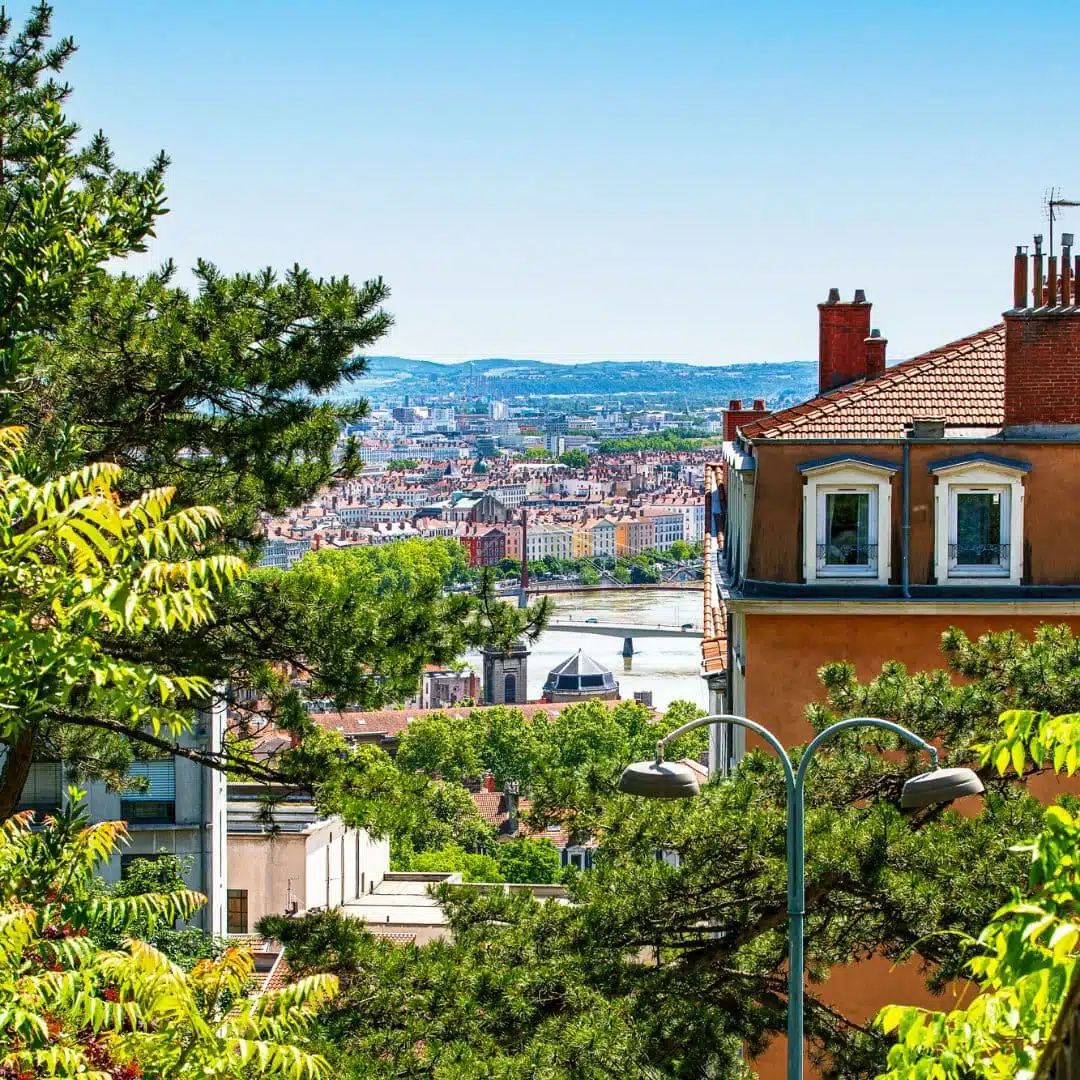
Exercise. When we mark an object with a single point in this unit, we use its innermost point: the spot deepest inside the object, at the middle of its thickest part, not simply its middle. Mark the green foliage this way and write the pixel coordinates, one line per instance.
(79, 569)
(67, 210)
(668, 442)
(164, 873)
(536, 453)
(73, 1008)
(529, 859)
(402, 465)
(211, 391)
(444, 816)
(493, 1002)
(455, 859)
(576, 459)
(1026, 957)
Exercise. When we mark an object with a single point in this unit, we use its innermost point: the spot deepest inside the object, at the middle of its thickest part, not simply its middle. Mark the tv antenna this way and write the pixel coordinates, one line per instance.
(1052, 201)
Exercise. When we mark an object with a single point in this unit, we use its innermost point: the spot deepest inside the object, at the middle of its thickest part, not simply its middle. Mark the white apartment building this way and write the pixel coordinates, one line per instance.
(181, 812)
(603, 539)
(510, 495)
(545, 539)
(667, 528)
(296, 862)
(283, 551)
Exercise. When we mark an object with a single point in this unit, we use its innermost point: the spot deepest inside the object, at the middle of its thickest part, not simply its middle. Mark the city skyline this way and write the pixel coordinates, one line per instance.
(597, 182)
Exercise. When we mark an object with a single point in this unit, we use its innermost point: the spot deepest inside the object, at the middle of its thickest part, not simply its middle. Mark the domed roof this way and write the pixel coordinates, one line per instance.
(480, 466)
(580, 674)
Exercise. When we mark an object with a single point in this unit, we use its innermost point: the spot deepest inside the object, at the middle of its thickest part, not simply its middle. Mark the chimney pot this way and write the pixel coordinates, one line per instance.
(735, 404)
(842, 333)
(759, 404)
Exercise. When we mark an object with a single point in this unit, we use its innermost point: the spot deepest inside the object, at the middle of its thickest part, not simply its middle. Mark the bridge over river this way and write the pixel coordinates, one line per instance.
(626, 630)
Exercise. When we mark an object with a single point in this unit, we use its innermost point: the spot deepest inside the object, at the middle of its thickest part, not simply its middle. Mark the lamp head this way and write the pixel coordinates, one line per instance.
(939, 786)
(659, 780)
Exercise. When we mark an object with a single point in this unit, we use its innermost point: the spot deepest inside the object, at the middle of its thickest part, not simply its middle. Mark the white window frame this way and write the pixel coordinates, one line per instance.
(848, 474)
(825, 569)
(979, 476)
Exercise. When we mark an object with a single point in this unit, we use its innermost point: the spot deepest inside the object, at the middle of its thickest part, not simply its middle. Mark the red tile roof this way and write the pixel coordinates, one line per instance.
(963, 382)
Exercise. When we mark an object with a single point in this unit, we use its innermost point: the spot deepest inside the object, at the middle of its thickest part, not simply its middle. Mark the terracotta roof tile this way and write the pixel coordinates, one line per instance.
(963, 382)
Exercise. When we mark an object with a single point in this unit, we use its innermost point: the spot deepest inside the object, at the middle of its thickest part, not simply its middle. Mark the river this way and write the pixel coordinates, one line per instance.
(669, 667)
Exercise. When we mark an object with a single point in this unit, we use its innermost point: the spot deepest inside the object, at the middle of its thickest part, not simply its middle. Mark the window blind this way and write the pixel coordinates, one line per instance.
(162, 777)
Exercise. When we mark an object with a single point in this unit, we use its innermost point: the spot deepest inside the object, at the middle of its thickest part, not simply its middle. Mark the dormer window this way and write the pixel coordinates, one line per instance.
(847, 530)
(846, 515)
(979, 531)
(979, 520)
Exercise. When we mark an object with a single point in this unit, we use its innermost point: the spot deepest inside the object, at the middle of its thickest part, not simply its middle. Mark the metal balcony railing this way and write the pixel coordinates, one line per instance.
(978, 554)
(861, 556)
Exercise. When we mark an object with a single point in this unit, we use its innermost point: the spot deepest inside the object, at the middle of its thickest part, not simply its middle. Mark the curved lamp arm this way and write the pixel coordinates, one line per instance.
(738, 721)
(861, 721)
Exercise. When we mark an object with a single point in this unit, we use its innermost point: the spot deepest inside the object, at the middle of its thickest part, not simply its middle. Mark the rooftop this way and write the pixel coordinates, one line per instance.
(962, 382)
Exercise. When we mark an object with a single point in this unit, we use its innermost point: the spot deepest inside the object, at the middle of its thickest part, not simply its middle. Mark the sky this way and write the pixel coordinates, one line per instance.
(601, 179)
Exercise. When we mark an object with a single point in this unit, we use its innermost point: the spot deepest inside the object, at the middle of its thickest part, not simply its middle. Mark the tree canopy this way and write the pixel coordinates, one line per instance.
(213, 393)
(710, 914)
(72, 1008)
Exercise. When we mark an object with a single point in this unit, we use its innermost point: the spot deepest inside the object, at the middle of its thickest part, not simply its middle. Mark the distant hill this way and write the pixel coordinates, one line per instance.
(655, 381)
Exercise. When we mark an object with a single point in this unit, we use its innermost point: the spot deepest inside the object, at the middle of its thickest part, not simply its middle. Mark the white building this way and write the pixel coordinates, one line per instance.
(544, 539)
(284, 551)
(180, 810)
(668, 527)
(295, 861)
(603, 539)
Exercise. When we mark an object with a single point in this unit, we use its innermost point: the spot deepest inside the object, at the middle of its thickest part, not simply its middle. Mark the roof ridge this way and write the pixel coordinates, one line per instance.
(837, 398)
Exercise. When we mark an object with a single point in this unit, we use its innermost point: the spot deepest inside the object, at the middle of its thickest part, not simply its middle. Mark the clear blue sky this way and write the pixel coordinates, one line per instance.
(603, 179)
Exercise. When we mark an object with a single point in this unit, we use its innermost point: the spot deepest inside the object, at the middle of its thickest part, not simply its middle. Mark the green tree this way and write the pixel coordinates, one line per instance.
(1025, 960)
(536, 453)
(446, 816)
(402, 465)
(213, 393)
(589, 575)
(66, 209)
(910, 886)
(681, 551)
(78, 568)
(529, 859)
(72, 1008)
(163, 874)
(455, 859)
(576, 459)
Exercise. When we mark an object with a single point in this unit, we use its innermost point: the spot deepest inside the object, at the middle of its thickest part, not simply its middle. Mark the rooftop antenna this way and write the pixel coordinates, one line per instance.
(1052, 200)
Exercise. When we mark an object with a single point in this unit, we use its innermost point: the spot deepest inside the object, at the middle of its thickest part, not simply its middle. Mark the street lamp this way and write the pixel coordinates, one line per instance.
(662, 779)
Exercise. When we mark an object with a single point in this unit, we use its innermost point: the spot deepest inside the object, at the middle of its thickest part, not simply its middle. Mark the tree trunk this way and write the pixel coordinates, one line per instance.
(20, 757)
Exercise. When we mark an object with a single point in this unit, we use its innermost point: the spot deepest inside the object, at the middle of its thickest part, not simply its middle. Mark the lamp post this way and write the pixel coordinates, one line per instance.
(672, 780)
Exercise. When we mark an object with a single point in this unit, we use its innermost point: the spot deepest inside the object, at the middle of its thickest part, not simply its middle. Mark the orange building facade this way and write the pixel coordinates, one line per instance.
(940, 492)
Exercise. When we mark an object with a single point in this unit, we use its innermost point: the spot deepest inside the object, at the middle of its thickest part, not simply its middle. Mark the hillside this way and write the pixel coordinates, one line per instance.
(390, 378)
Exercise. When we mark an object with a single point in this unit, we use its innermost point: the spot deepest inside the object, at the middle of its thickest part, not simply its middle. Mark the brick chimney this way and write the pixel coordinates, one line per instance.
(735, 416)
(844, 330)
(1042, 343)
(487, 781)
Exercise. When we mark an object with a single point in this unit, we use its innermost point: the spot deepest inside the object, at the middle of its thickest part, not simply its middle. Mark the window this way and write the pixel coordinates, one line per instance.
(979, 531)
(847, 523)
(979, 520)
(42, 790)
(155, 804)
(237, 914)
(847, 531)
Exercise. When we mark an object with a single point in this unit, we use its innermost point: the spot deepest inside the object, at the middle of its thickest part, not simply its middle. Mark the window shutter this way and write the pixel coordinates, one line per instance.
(42, 784)
(162, 777)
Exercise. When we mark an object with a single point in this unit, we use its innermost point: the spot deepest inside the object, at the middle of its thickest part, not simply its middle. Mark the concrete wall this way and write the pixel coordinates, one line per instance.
(277, 869)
